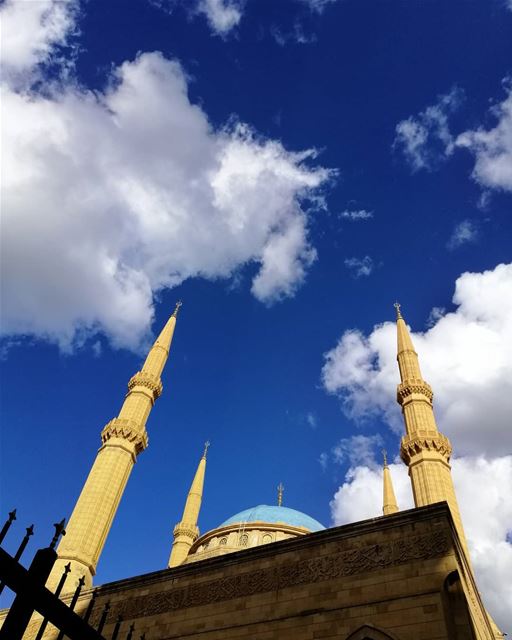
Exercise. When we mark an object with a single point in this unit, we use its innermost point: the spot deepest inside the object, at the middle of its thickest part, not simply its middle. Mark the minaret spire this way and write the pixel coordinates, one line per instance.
(123, 438)
(389, 499)
(187, 531)
(424, 449)
(280, 491)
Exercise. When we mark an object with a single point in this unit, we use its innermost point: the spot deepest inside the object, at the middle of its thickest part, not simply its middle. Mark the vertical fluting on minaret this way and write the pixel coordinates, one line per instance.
(123, 438)
(389, 504)
(424, 449)
(187, 531)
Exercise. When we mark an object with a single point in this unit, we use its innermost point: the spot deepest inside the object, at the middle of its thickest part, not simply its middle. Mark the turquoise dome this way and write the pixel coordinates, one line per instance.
(275, 515)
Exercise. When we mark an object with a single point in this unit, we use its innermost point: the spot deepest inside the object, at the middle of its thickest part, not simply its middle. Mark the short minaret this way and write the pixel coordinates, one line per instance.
(187, 531)
(389, 499)
(424, 449)
(123, 438)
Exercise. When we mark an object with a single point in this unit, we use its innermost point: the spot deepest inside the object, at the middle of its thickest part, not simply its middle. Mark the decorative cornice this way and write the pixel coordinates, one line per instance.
(188, 530)
(151, 382)
(127, 430)
(359, 559)
(417, 443)
(410, 387)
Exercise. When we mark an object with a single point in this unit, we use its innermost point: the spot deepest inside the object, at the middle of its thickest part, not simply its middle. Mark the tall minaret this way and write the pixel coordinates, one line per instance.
(389, 500)
(123, 438)
(187, 531)
(424, 449)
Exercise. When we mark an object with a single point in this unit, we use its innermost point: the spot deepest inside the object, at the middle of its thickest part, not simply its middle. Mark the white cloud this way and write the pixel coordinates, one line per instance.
(466, 356)
(357, 450)
(111, 196)
(360, 267)
(222, 15)
(492, 148)
(31, 33)
(425, 139)
(485, 502)
(311, 420)
(357, 215)
(464, 232)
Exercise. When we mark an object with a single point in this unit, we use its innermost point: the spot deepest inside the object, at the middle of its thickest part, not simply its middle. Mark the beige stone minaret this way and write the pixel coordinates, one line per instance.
(123, 438)
(389, 500)
(187, 531)
(424, 449)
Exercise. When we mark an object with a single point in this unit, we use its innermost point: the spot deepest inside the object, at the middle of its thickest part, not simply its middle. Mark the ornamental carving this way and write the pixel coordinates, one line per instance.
(190, 531)
(127, 430)
(280, 576)
(143, 379)
(414, 444)
(407, 388)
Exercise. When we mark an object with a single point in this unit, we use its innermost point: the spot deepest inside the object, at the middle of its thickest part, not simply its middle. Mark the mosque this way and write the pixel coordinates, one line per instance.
(271, 572)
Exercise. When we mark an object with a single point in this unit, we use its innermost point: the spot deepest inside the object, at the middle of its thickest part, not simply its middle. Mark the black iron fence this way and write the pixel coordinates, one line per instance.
(32, 595)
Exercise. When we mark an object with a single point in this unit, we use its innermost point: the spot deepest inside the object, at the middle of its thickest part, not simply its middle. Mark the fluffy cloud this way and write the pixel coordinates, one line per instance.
(425, 139)
(110, 197)
(492, 148)
(464, 232)
(485, 501)
(360, 267)
(222, 15)
(32, 32)
(466, 356)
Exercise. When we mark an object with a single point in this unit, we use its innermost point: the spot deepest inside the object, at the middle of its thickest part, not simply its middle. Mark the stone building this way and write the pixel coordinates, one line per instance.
(274, 573)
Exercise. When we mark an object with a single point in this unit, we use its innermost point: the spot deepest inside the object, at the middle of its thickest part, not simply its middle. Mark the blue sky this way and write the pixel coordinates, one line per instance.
(154, 152)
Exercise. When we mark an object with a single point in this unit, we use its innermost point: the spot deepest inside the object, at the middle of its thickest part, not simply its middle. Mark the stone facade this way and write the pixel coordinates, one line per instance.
(402, 576)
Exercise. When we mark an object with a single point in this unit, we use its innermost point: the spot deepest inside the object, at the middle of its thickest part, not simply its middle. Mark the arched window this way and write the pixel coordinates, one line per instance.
(244, 540)
(266, 538)
(369, 632)
(223, 541)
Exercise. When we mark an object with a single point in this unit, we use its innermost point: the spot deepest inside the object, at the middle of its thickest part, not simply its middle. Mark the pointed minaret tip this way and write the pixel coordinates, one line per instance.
(389, 500)
(397, 306)
(177, 308)
(385, 456)
(206, 447)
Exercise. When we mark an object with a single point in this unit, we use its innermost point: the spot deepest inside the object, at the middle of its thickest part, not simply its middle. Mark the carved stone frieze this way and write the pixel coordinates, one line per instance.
(417, 443)
(408, 388)
(345, 563)
(143, 379)
(127, 430)
(183, 529)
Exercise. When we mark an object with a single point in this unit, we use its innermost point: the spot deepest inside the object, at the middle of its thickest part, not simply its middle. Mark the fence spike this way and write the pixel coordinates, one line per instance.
(81, 582)
(115, 633)
(90, 606)
(104, 615)
(24, 542)
(62, 580)
(130, 632)
(8, 522)
(59, 531)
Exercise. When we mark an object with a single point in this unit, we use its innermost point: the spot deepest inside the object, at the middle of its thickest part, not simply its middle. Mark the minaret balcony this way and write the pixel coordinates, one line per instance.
(147, 381)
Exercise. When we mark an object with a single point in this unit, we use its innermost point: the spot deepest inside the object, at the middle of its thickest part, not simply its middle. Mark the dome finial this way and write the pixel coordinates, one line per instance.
(397, 306)
(385, 456)
(206, 447)
(280, 490)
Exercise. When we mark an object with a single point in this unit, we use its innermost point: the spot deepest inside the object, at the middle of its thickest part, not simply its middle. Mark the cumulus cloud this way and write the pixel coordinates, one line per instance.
(32, 32)
(425, 140)
(356, 215)
(112, 196)
(222, 15)
(465, 232)
(492, 148)
(360, 267)
(357, 450)
(483, 492)
(466, 356)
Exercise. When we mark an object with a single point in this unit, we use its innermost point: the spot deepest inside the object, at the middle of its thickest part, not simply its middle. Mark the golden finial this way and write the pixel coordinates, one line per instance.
(206, 446)
(280, 490)
(385, 456)
(177, 308)
(397, 306)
